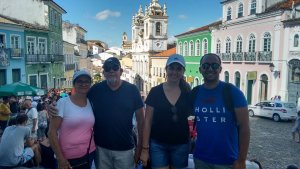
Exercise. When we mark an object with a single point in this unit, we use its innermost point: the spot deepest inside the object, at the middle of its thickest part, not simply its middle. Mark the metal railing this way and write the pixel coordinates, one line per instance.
(44, 58)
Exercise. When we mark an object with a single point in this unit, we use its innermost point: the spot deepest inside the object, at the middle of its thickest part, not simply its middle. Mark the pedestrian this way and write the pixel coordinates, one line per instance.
(114, 103)
(42, 121)
(13, 152)
(32, 121)
(166, 130)
(222, 134)
(296, 128)
(4, 112)
(71, 131)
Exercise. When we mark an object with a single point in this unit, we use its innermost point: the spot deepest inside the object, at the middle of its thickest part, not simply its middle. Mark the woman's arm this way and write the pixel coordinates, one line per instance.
(55, 124)
(146, 134)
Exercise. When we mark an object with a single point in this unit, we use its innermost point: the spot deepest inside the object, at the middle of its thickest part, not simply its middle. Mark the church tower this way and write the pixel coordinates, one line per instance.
(149, 37)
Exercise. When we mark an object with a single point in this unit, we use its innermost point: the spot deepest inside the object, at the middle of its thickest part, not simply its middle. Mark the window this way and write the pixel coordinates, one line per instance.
(253, 7)
(263, 93)
(2, 40)
(205, 46)
(267, 42)
(158, 28)
(191, 48)
(218, 47)
(31, 45)
(229, 13)
(237, 79)
(240, 10)
(228, 46)
(252, 43)
(226, 76)
(15, 42)
(239, 44)
(296, 40)
(185, 49)
(197, 47)
(2, 77)
(16, 75)
(33, 80)
(180, 48)
(146, 29)
(42, 44)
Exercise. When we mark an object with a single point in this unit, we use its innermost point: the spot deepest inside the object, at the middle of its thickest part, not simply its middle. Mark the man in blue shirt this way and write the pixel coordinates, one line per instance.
(222, 136)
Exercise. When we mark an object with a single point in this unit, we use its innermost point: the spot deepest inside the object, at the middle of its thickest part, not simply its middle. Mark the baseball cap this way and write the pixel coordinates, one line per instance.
(112, 61)
(81, 73)
(176, 58)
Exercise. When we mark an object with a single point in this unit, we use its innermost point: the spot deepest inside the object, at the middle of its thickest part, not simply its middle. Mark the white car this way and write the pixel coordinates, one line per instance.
(277, 110)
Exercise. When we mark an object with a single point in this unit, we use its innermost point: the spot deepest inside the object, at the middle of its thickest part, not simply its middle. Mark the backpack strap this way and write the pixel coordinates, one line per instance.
(193, 96)
(228, 98)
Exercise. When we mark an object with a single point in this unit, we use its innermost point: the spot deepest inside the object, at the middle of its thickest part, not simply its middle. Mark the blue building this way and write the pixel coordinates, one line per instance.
(12, 58)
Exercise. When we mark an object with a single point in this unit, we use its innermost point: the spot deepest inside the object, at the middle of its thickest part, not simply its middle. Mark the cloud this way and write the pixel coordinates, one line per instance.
(182, 16)
(191, 28)
(103, 15)
(172, 40)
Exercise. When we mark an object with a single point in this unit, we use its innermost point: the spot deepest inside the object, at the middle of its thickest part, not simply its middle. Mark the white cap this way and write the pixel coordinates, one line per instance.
(81, 73)
(35, 98)
(176, 58)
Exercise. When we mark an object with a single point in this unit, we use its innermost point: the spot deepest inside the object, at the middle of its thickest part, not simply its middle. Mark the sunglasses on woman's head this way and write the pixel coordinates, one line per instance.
(174, 111)
(111, 67)
(214, 66)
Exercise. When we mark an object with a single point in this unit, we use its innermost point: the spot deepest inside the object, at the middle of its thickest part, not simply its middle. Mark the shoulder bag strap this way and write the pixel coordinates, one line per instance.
(88, 150)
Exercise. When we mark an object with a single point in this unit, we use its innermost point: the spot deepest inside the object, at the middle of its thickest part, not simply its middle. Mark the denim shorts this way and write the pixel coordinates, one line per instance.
(162, 155)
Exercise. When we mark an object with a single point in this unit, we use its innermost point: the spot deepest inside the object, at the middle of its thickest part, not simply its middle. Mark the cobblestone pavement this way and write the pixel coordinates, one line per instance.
(271, 143)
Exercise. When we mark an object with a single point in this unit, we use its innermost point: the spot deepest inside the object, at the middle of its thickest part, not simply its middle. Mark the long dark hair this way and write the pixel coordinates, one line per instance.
(184, 86)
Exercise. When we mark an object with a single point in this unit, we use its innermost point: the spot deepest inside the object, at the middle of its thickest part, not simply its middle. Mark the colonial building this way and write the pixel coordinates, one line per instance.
(126, 44)
(12, 59)
(258, 41)
(149, 37)
(193, 45)
(43, 39)
(70, 65)
(95, 47)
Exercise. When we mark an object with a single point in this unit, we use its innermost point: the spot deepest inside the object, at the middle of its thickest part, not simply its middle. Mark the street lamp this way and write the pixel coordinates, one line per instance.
(272, 69)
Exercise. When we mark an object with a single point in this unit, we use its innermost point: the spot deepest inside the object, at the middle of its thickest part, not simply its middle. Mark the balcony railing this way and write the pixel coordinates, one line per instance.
(69, 66)
(265, 56)
(226, 57)
(237, 57)
(44, 58)
(250, 56)
(13, 53)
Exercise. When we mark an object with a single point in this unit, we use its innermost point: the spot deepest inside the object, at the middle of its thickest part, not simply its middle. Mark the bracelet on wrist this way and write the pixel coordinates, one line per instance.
(146, 148)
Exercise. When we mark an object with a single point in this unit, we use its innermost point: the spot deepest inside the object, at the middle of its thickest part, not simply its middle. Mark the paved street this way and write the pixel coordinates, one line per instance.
(271, 143)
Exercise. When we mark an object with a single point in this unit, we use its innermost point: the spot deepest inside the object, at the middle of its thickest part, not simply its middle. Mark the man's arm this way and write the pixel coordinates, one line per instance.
(242, 118)
(140, 123)
(146, 134)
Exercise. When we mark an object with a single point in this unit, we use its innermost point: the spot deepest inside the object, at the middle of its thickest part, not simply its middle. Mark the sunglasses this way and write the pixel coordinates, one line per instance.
(174, 111)
(213, 66)
(112, 67)
(175, 68)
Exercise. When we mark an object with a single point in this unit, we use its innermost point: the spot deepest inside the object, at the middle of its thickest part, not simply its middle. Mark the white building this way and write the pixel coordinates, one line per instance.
(149, 37)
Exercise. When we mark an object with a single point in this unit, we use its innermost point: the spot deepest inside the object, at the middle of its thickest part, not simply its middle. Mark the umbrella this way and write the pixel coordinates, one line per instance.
(20, 89)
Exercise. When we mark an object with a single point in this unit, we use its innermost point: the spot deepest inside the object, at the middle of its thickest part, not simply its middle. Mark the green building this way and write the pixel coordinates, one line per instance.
(193, 45)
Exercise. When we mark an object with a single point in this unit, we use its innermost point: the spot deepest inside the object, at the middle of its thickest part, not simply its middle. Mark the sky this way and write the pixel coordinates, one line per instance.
(106, 20)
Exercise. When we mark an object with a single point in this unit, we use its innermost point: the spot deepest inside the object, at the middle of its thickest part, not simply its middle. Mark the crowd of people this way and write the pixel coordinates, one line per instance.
(95, 123)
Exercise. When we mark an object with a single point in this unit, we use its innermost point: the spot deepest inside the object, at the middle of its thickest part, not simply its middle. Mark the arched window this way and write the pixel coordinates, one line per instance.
(191, 48)
(180, 48)
(240, 10)
(226, 76)
(252, 43)
(296, 40)
(228, 46)
(146, 29)
(185, 49)
(237, 80)
(196, 82)
(239, 44)
(267, 42)
(253, 7)
(229, 11)
(205, 46)
(158, 28)
(197, 47)
(218, 47)
(263, 95)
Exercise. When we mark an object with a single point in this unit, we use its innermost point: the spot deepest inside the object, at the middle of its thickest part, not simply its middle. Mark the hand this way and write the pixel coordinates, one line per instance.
(239, 164)
(144, 156)
(64, 164)
(137, 154)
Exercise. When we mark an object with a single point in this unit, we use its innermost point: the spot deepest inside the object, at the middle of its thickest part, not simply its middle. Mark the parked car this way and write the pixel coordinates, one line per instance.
(277, 110)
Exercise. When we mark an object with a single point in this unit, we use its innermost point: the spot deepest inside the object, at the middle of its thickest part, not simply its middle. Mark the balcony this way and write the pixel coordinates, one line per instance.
(250, 56)
(226, 57)
(13, 53)
(79, 40)
(69, 66)
(237, 57)
(43, 58)
(265, 56)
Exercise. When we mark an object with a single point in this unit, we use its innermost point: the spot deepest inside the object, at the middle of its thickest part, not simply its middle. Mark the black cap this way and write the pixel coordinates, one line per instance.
(111, 61)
